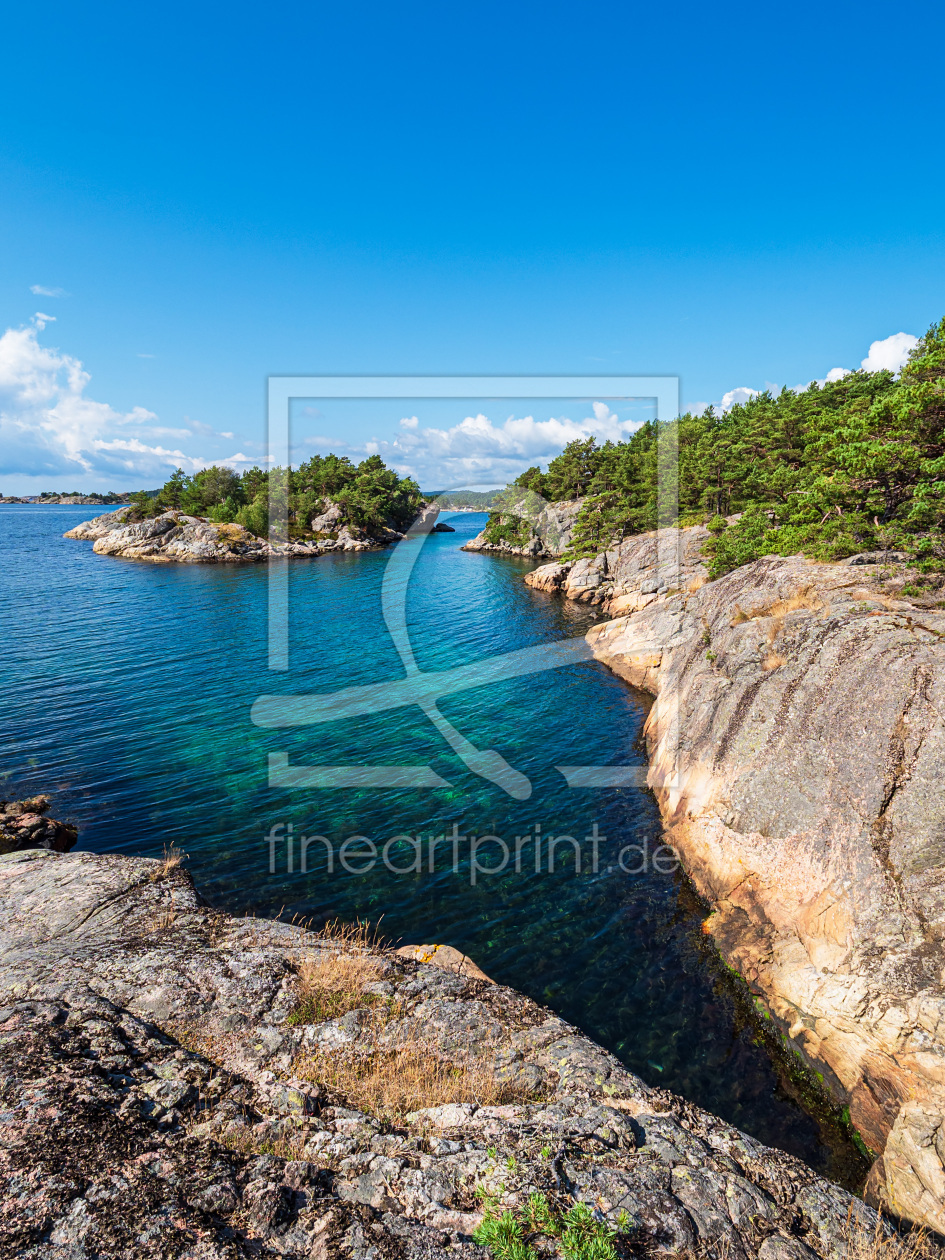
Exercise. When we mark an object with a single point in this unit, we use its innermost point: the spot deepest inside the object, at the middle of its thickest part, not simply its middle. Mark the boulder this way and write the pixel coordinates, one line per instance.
(628, 576)
(24, 825)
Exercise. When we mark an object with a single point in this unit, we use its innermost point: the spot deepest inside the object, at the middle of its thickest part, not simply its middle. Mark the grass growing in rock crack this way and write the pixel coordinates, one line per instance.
(879, 1243)
(335, 980)
(173, 856)
(390, 1081)
(243, 1141)
(334, 984)
(577, 1232)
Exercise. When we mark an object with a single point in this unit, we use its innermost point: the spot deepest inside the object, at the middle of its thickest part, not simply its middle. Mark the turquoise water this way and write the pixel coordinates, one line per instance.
(128, 690)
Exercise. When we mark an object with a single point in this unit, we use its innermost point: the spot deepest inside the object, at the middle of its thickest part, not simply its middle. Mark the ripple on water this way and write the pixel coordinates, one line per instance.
(128, 688)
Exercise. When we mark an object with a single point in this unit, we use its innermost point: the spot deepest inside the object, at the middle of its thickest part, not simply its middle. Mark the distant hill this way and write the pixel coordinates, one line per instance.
(459, 500)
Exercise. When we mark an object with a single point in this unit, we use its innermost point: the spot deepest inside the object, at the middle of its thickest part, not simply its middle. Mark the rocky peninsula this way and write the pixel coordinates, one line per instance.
(178, 1082)
(797, 750)
(528, 529)
(177, 537)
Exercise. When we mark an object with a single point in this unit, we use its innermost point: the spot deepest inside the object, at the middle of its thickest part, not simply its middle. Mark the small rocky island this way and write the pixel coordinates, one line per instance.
(216, 516)
(176, 537)
(178, 1082)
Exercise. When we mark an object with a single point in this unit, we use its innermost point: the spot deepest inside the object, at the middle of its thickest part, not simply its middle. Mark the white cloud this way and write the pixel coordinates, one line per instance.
(146, 356)
(41, 291)
(835, 374)
(737, 397)
(890, 354)
(49, 425)
(249, 460)
(41, 320)
(476, 451)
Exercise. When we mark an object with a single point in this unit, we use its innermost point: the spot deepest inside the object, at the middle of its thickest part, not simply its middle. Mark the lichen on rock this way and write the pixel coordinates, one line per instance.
(158, 1098)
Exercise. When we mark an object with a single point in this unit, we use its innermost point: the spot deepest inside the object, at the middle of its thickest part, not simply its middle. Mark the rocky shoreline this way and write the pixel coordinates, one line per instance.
(535, 530)
(796, 750)
(180, 1082)
(60, 500)
(175, 537)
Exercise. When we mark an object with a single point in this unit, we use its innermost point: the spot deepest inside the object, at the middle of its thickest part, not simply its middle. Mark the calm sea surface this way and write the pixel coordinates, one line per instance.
(127, 690)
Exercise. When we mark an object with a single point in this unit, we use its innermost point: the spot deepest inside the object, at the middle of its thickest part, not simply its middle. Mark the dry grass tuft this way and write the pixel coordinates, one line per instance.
(335, 979)
(391, 1081)
(173, 856)
(332, 983)
(697, 584)
(352, 937)
(774, 629)
(806, 597)
(230, 531)
(165, 919)
(879, 1244)
(773, 660)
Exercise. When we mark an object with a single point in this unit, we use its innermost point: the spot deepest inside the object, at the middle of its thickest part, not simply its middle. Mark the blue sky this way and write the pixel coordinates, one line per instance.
(737, 194)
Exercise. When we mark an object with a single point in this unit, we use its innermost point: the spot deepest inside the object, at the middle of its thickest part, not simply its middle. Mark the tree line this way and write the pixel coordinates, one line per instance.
(369, 494)
(852, 465)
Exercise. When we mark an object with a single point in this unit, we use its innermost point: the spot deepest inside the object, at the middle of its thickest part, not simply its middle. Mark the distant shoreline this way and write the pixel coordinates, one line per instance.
(68, 500)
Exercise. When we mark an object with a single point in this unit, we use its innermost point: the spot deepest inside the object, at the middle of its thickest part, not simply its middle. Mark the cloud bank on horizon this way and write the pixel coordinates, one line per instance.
(888, 355)
(50, 428)
(478, 452)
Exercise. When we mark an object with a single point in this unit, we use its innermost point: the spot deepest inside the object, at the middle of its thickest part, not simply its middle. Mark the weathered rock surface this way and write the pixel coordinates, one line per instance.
(544, 533)
(174, 537)
(797, 749)
(24, 825)
(157, 1100)
(631, 575)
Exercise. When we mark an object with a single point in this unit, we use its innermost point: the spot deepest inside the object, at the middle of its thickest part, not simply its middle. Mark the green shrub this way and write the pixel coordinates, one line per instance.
(503, 527)
(255, 516)
(579, 1234)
